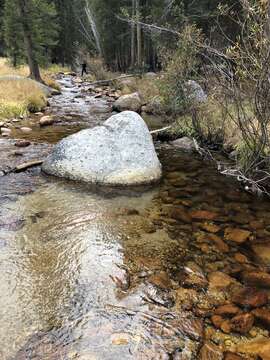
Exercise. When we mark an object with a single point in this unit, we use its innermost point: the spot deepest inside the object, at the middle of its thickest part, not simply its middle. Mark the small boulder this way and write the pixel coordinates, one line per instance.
(5, 131)
(185, 143)
(22, 143)
(25, 130)
(250, 297)
(242, 323)
(195, 92)
(130, 102)
(46, 121)
(151, 75)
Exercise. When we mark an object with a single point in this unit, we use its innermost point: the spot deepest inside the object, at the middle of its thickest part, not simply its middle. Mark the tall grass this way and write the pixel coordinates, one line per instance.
(18, 97)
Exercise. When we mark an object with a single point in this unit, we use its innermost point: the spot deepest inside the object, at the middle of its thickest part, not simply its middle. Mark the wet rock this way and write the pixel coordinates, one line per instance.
(227, 310)
(257, 278)
(186, 298)
(203, 215)
(256, 224)
(232, 356)
(5, 131)
(219, 243)
(194, 276)
(180, 213)
(242, 259)
(217, 321)
(262, 252)
(189, 351)
(155, 295)
(210, 351)
(219, 280)
(237, 235)
(263, 316)
(250, 297)
(25, 130)
(130, 102)
(189, 326)
(185, 144)
(120, 339)
(121, 152)
(211, 228)
(161, 280)
(242, 323)
(259, 347)
(226, 326)
(46, 121)
(22, 143)
(100, 108)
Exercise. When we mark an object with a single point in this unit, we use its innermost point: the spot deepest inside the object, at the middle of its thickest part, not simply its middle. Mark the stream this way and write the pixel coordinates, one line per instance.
(93, 273)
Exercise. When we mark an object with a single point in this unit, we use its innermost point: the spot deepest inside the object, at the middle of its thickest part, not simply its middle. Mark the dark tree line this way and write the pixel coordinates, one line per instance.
(55, 31)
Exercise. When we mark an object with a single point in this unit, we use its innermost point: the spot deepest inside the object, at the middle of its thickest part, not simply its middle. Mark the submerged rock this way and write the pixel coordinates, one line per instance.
(120, 152)
(259, 347)
(250, 297)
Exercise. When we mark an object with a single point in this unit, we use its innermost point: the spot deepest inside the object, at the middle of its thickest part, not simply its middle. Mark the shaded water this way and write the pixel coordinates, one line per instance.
(131, 274)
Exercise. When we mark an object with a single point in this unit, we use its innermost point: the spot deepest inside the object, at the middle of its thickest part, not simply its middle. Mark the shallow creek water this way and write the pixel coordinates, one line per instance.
(92, 273)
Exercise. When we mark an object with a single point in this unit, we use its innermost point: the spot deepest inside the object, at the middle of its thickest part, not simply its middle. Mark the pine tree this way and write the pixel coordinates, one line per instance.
(34, 21)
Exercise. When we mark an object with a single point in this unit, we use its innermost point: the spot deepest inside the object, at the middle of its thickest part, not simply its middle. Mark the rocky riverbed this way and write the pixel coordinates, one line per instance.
(175, 271)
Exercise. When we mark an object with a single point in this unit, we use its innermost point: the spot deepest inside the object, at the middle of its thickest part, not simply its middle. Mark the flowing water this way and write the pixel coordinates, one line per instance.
(92, 273)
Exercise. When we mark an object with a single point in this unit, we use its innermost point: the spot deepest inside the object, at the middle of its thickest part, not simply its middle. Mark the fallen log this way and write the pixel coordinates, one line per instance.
(110, 81)
(160, 130)
(27, 165)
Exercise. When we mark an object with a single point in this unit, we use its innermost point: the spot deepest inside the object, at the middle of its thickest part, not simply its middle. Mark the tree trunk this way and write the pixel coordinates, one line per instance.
(133, 35)
(29, 46)
(139, 35)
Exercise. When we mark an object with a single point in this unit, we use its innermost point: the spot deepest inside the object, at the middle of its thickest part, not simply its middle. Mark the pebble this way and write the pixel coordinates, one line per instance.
(219, 280)
(237, 235)
(22, 143)
(250, 297)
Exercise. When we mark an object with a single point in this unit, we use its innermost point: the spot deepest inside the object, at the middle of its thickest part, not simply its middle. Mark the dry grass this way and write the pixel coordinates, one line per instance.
(18, 97)
(147, 88)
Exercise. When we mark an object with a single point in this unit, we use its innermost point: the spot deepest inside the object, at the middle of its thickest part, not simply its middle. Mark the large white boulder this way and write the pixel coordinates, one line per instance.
(128, 102)
(120, 152)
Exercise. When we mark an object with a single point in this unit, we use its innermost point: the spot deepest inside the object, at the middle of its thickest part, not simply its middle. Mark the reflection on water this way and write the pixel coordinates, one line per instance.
(100, 275)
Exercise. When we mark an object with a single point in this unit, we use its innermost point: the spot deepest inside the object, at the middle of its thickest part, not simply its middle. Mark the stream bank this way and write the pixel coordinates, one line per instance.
(176, 271)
